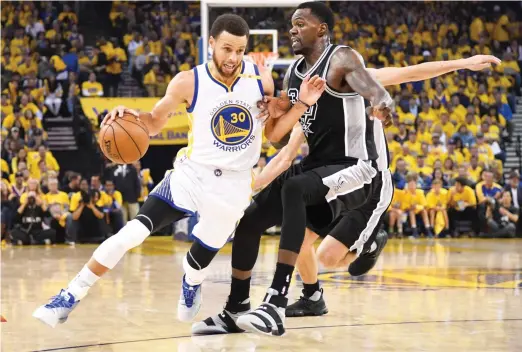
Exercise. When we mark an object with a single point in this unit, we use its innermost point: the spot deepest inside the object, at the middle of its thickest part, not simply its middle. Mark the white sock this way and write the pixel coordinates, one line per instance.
(373, 247)
(193, 277)
(80, 285)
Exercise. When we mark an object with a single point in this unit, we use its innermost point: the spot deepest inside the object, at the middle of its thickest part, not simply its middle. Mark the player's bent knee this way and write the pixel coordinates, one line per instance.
(291, 187)
(114, 248)
(328, 260)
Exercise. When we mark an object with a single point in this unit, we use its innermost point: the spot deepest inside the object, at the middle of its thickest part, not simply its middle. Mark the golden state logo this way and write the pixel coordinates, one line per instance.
(232, 125)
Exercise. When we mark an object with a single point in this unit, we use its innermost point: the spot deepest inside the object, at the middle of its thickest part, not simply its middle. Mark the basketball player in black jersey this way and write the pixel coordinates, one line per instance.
(342, 143)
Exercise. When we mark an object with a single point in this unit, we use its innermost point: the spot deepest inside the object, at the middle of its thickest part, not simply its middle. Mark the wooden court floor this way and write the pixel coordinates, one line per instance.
(445, 295)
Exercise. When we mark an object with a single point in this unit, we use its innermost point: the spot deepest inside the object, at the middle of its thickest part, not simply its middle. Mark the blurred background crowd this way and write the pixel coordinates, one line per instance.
(448, 144)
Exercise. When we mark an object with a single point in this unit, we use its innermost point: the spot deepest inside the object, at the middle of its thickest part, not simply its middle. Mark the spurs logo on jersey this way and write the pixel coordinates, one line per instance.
(309, 115)
(224, 131)
(232, 125)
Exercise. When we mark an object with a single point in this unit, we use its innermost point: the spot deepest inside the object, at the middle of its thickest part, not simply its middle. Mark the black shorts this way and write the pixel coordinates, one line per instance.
(361, 223)
(321, 216)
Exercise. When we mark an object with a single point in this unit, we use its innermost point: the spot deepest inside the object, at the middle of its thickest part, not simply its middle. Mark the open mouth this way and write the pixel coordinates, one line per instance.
(229, 67)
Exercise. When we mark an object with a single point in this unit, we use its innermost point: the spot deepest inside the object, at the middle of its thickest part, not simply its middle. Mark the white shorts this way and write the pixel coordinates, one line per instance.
(218, 196)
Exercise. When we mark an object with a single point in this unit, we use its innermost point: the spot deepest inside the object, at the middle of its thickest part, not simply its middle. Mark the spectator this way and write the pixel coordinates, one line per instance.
(399, 176)
(91, 88)
(73, 183)
(415, 206)
(87, 222)
(514, 187)
(487, 192)
(127, 181)
(437, 203)
(53, 95)
(115, 58)
(58, 203)
(114, 206)
(29, 223)
(501, 218)
(147, 183)
(9, 206)
(18, 187)
(462, 207)
(396, 215)
(21, 156)
(14, 136)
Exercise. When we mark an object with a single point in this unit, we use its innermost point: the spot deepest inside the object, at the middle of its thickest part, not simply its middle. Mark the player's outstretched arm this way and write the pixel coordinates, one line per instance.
(397, 75)
(362, 82)
(282, 160)
(179, 91)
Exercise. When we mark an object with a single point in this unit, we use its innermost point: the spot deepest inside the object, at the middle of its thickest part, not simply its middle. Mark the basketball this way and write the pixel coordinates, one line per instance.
(124, 140)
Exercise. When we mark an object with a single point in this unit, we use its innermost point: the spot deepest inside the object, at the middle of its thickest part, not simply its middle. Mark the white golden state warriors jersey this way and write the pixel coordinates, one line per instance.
(224, 130)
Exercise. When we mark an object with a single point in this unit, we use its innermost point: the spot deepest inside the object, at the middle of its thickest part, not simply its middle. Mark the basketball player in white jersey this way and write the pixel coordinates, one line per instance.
(212, 176)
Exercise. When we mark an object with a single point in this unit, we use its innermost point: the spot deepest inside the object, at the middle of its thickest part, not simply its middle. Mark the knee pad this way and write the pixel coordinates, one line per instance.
(114, 248)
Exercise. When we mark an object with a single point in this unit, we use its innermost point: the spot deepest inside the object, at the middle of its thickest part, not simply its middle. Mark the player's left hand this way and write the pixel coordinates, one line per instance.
(382, 112)
(273, 107)
(480, 62)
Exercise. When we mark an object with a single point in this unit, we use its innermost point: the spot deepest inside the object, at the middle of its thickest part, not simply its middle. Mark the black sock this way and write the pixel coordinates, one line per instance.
(310, 289)
(282, 278)
(239, 290)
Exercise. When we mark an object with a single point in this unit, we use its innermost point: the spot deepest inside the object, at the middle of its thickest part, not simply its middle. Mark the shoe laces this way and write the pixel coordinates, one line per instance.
(189, 293)
(61, 301)
(306, 301)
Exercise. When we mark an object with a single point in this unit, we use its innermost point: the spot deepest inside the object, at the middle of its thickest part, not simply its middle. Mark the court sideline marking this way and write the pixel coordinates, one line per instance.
(296, 328)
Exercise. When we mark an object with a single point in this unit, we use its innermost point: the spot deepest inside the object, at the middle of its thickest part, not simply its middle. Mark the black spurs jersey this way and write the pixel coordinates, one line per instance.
(336, 127)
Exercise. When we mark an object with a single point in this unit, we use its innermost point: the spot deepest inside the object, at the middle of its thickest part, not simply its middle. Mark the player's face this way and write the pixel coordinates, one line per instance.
(304, 32)
(227, 52)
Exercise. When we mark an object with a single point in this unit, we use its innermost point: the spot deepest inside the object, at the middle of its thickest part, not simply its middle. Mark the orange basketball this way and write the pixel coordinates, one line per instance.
(125, 140)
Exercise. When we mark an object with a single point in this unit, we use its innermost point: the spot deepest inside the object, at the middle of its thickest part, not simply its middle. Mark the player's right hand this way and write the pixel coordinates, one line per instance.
(118, 112)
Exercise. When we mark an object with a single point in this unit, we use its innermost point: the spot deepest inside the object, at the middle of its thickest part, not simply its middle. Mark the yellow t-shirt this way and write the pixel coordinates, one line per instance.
(115, 197)
(7, 109)
(60, 198)
(500, 34)
(145, 174)
(476, 27)
(115, 67)
(92, 89)
(58, 63)
(77, 197)
(23, 197)
(437, 200)
(467, 196)
(417, 199)
(474, 174)
(415, 148)
(5, 166)
(34, 158)
(397, 198)
(150, 78)
(394, 147)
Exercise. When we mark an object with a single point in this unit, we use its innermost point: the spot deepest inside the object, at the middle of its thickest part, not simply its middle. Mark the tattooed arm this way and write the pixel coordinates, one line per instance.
(349, 62)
